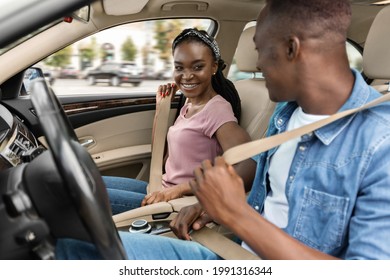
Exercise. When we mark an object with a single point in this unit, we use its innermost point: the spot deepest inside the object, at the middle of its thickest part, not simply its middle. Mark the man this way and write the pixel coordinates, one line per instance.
(323, 196)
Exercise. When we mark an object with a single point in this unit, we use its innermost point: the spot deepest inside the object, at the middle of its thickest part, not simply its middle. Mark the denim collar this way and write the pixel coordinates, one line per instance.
(360, 95)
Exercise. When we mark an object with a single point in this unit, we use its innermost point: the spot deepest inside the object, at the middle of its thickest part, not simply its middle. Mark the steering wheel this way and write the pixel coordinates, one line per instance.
(79, 172)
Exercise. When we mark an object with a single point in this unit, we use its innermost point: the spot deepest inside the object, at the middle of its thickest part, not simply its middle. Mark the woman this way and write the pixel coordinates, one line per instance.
(206, 127)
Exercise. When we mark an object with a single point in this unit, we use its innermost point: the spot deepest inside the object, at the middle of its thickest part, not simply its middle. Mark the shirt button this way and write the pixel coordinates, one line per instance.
(302, 148)
(257, 208)
(280, 121)
(291, 178)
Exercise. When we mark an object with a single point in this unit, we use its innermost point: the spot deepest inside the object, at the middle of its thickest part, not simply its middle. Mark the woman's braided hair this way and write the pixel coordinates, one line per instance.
(220, 84)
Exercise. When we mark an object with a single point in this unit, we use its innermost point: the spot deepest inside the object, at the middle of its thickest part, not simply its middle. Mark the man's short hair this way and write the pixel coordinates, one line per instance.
(312, 18)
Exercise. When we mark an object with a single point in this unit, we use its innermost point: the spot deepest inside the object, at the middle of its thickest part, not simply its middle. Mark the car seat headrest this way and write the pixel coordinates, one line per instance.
(376, 54)
(246, 55)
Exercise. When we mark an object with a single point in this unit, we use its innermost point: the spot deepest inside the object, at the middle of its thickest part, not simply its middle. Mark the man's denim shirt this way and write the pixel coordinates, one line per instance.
(338, 188)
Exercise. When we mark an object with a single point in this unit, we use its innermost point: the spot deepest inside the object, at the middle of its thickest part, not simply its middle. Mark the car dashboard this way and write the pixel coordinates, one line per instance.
(17, 143)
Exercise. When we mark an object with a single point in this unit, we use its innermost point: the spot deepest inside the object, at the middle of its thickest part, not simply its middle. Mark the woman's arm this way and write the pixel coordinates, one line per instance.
(230, 135)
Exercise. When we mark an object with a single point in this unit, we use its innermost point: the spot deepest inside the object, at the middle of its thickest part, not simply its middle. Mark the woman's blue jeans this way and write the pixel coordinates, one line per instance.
(124, 193)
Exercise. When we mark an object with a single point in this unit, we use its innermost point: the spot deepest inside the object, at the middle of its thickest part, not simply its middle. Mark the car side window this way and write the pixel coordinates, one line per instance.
(355, 56)
(130, 58)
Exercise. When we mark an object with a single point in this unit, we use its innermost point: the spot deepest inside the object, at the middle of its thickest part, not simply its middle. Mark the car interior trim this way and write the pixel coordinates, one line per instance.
(120, 8)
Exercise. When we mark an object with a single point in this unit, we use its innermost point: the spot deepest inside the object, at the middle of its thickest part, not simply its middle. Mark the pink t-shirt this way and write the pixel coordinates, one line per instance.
(192, 140)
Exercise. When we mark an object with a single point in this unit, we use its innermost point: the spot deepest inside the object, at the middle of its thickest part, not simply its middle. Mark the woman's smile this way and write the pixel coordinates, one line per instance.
(188, 86)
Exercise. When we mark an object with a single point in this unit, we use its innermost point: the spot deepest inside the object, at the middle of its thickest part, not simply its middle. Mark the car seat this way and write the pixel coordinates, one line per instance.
(256, 107)
(376, 64)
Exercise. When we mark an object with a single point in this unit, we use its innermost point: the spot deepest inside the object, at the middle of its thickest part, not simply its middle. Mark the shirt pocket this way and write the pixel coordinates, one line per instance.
(321, 220)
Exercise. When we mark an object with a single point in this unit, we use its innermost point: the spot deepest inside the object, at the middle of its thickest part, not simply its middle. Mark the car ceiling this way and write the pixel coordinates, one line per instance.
(364, 11)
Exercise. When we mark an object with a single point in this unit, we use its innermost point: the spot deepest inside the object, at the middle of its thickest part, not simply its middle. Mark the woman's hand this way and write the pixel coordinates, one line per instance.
(167, 90)
(163, 195)
(163, 91)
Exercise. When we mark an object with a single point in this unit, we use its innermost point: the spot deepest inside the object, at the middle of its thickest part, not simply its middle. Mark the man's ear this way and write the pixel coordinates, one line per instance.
(293, 47)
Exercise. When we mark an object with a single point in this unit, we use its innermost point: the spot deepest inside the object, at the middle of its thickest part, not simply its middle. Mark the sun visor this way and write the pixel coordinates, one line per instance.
(121, 8)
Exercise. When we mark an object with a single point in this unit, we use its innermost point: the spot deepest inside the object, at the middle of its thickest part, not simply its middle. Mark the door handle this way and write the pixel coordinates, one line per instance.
(87, 142)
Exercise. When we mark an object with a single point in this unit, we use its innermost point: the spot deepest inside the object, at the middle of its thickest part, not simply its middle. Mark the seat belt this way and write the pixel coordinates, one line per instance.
(221, 245)
(250, 149)
(217, 242)
(160, 129)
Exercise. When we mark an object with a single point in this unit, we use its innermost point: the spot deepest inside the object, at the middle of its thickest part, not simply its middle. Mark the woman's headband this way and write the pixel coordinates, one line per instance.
(203, 36)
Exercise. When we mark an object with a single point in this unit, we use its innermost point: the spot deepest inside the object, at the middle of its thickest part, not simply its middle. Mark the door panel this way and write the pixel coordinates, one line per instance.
(119, 142)
(122, 145)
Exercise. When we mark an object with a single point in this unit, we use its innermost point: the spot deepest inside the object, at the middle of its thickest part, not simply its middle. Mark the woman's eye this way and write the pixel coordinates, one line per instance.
(178, 68)
(198, 67)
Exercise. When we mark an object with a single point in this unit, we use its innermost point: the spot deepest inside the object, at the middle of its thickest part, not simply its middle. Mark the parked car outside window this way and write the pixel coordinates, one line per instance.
(69, 72)
(116, 73)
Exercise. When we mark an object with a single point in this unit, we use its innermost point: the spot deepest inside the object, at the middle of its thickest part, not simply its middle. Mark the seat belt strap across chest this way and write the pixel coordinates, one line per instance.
(250, 149)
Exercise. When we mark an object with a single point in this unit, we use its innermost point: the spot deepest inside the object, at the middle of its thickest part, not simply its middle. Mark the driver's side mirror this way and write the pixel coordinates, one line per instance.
(31, 74)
